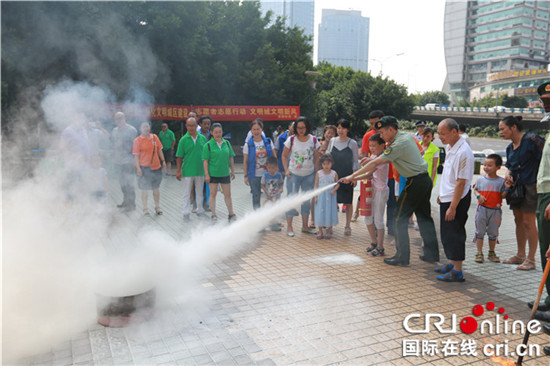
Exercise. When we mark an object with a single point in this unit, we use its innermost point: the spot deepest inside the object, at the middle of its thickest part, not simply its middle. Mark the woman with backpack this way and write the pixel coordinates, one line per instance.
(256, 150)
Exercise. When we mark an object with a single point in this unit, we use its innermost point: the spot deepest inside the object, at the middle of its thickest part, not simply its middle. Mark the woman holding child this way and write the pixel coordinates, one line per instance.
(523, 157)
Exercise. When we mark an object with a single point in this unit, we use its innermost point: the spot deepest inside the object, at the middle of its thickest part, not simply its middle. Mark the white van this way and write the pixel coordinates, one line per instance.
(433, 106)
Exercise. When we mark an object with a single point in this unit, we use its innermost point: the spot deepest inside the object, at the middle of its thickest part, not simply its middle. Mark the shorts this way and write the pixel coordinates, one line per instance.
(149, 179)
(379, 200)
(529, 203)
(220, 180)
(487, 222)
(168, 155)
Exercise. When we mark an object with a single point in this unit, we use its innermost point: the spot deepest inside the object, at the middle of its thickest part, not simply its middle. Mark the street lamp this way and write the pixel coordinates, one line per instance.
(312, 84)
(381, 62)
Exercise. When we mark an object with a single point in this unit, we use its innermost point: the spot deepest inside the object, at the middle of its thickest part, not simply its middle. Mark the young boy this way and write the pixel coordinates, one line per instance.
(489, 190)
(272, 184)
(375, 221)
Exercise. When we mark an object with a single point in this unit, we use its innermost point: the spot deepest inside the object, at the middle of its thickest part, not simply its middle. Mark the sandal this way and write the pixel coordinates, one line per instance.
(328, 235)
(444, 269)
(308, 231)
(372, 247)
(347, 231)
(479, 258)
(355, 216)
(231, 218)
(146, 212)
(514, 260)
(214, 218)
(527, 265)
(158, 211)
(320, 236)
(378, 252)
(493, 257)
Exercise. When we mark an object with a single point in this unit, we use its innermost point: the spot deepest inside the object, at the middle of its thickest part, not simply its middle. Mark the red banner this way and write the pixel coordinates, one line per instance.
(217, 112)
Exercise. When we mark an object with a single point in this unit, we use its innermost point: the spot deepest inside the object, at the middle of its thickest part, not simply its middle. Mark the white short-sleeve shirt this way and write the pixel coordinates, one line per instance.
(459, 164)
(301, 155)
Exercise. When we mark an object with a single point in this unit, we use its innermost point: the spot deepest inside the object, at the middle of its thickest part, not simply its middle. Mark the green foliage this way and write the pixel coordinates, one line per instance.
(176, 52)
(345, 93)
(431, 97)
(514, 102)
(486, 102)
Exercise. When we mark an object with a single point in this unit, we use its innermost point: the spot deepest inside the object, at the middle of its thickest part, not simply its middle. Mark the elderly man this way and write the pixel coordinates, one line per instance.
(403, 152)
(454, 199)
(123, 137)
(190, 168)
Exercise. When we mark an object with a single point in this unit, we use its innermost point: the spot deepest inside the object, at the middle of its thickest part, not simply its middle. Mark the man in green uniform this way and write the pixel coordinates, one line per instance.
(543, 215)
(168, 141)
(403, 152)
(190, 168)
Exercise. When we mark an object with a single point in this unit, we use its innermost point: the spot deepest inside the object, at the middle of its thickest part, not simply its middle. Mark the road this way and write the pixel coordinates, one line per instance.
(482, 143)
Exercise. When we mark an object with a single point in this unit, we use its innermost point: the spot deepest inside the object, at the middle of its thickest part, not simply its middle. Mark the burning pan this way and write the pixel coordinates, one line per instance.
(117, 311)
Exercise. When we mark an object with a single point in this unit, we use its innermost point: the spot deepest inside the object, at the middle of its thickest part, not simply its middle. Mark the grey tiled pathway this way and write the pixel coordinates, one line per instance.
(297, 301)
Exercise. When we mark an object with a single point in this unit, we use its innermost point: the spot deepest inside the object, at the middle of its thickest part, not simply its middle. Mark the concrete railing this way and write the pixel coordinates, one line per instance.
(481, 109)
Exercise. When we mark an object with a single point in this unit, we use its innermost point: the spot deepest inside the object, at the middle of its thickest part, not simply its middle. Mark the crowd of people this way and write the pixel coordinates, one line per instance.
(396, 170)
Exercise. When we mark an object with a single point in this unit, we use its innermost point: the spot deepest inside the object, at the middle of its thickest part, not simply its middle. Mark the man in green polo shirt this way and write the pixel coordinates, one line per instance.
(168, 140)
(403, 152)
(190, 168)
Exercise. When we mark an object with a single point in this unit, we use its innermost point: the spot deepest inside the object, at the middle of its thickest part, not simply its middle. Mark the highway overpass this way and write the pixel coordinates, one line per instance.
(473, 116)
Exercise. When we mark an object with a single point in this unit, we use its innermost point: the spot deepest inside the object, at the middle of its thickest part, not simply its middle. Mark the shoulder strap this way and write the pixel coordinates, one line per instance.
(291, 141)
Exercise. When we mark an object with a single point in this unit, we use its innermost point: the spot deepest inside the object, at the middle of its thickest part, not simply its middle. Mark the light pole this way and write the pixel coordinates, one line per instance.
(381, 62)
(312, 84)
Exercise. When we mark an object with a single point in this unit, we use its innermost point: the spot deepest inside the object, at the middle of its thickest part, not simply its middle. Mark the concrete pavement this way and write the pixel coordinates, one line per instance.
(316, 302)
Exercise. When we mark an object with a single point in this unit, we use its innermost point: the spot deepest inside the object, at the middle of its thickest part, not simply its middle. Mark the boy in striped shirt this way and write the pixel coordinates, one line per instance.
(489, 189)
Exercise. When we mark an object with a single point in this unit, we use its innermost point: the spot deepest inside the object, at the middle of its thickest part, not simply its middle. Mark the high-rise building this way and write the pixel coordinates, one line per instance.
(495, 46)
(297, 13)
(344, 39)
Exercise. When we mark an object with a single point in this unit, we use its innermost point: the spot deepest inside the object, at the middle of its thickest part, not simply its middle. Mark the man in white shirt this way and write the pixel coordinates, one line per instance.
(454, 199)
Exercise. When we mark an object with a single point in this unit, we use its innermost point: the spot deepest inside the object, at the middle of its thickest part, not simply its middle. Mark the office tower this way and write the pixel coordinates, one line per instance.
(496, 47)
(344, 39)
(297, 13)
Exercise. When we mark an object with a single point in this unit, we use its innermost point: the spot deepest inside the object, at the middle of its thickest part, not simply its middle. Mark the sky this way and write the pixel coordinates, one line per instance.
(411, 27)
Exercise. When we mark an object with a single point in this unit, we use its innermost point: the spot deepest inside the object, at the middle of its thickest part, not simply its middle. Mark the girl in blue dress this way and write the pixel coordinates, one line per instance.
(326, 211)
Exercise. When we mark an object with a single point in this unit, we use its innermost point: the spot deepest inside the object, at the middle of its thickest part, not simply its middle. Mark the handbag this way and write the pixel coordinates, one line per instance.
(517, 192)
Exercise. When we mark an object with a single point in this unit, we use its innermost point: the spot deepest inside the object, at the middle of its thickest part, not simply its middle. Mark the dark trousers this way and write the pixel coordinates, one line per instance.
(453, 233)
(390, 207)
(126, 179)
(415, 198)
(544, 235)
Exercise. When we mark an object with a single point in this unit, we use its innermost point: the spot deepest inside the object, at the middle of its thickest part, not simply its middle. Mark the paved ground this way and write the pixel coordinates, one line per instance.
(304, 301)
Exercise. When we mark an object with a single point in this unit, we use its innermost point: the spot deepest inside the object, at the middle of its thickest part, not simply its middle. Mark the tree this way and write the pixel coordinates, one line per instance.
(155, 52)
(349, 94)
(514, 101)
(435, 96)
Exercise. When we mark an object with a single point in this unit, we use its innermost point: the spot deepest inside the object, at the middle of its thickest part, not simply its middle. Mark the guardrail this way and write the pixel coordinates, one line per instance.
(481, 109)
